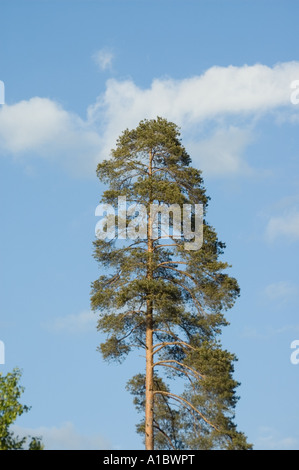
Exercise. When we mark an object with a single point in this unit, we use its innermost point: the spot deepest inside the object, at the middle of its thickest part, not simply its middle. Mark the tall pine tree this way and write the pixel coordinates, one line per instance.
(165, 295)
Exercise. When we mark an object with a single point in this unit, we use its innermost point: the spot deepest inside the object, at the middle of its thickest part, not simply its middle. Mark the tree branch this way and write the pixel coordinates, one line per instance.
(164, 363)
(164, 434)
(159, 246)
(197, 304)
(171, 343)
(170, 262)
(186, 402)
(131, 331)
(124, 315)
(180, 370)
(184, 273)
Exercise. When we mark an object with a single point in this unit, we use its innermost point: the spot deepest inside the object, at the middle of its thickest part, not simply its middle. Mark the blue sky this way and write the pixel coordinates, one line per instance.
(76, 74)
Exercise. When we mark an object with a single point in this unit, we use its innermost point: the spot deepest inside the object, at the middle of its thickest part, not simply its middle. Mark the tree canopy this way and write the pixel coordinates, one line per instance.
(10, 409)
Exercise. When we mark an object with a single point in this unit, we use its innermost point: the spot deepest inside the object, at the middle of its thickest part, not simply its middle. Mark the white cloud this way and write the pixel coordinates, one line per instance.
(41, 128)
(268, 332)
(281, 290)
(283, 226)
(219, 94)
(270, 439)
(223, 152)
(103, 58)
(220, 90)
(64, 437)
(80, 323)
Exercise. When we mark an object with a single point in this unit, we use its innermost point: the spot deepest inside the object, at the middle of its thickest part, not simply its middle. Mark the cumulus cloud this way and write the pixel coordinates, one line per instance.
(247, 89)
(217, 96)
(222, 153)
(74, 323)
(42, 128)
(64, 437)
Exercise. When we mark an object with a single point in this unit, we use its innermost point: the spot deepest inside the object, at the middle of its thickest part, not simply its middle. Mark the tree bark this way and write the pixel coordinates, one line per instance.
(149, 370)
(149, 392)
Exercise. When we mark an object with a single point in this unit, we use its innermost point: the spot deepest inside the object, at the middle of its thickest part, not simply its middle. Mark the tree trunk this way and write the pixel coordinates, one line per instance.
(149, 373)
(149, 393)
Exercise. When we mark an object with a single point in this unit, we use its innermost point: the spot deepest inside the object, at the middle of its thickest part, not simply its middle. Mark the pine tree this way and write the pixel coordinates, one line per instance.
(164, 295)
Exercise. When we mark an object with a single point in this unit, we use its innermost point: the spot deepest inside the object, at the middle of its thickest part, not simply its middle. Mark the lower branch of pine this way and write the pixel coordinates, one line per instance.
(187, 404)
(165, 435)
(192, 372)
